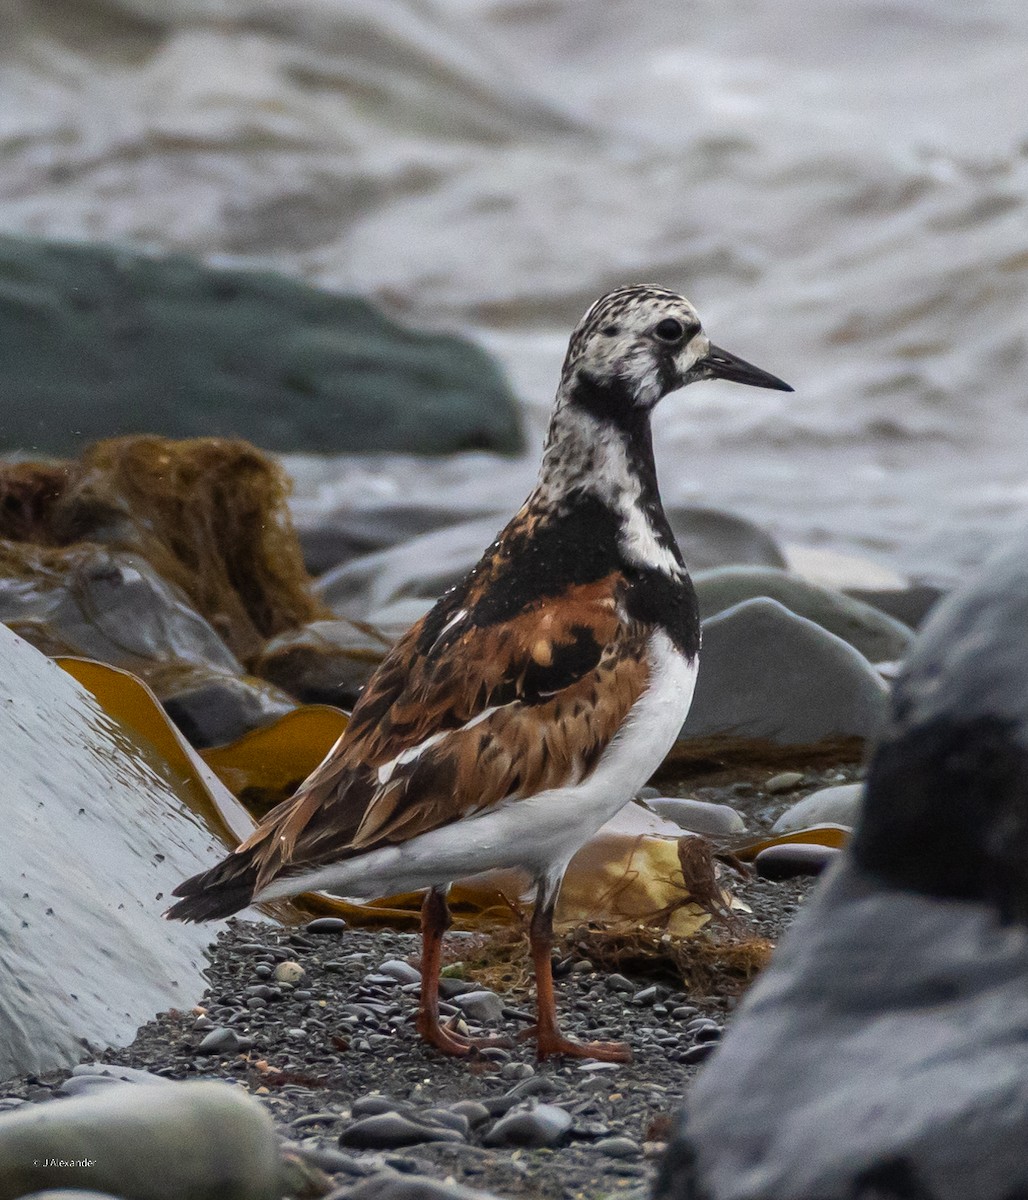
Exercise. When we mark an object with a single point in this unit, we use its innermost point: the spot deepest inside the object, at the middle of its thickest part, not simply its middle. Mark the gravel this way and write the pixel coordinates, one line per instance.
(332, 1051)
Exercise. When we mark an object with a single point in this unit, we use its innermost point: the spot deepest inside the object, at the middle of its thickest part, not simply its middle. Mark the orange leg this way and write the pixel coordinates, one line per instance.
(549, 1039)
(435, 920)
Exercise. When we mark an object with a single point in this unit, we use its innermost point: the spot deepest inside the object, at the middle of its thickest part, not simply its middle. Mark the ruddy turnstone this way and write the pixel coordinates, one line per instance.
(536, 697)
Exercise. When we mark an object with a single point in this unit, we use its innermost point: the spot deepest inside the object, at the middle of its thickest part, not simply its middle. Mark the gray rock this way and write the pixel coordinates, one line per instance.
(402, 972)
(784, 781)
(697, 815)
(392, 1131)
(618, 1147)
(768, 674)
(838, 805)
(223, 1041)
(326, 925)
(323, 662)
(878, 637)
(213, 708)
(202, 351)
(474, 1110)
(208, 1141)
(94, 931)
(711, 538)
(911, 605)
(544, 1125)
(92, 1077)
(480, 1006)
(790, 860)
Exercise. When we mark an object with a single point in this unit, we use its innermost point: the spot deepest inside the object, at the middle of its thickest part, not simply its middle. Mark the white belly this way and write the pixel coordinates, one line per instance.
(536, 833)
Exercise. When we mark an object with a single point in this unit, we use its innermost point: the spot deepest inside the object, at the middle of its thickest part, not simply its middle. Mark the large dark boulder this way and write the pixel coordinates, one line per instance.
(100, 340)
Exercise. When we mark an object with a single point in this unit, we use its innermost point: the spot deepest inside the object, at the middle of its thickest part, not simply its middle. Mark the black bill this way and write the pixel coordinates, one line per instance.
(719, 364)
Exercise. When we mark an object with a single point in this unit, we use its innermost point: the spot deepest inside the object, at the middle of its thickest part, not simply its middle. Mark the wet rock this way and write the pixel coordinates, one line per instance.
(73, 772)
(544, 1125)
(208, 1141)
(203, 351)
(789, 860)
(838, 805)
(213, 709)
(769, 674)
(697, 815)
(392, 1131)
(878, 637)
(92, 1077)
(324, 662)
(784, 781)
(476, 1112)
(480, 1006)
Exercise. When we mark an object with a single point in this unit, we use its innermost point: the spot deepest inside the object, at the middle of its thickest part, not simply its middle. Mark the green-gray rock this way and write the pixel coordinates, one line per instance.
(879, 637)
(101, 340)
(191, 1141)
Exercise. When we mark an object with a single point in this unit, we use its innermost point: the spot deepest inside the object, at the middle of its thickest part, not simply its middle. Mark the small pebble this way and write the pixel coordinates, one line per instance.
(618, 1147)
(288, 972)
(697, 1053)
(785, 781)
(517, 1070)
(544, 1125)
(400, 971)
(618, 983)
(790, 859)
(392, 1131)
(325, 925)
(476, 1112)
(480, 1006)
(223, 1041)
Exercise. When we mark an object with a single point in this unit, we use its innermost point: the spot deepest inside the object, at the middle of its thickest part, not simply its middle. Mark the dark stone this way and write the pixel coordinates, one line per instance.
(324, 662)
(544, 1125)
(214, 709)
(790, 859)
(392, 1131)
(223, 1041)
(911, 605)
(179, 348)
(325, 925)
(389, 1185)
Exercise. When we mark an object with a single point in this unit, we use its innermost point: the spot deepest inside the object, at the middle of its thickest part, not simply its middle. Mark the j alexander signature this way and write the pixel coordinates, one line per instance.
(64, 1162)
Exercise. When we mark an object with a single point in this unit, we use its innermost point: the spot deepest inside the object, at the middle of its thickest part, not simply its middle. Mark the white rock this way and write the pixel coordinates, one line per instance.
(697, 815)
(827, 806)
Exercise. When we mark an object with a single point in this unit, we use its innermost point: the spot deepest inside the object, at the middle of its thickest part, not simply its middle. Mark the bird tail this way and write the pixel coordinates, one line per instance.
(221, 891)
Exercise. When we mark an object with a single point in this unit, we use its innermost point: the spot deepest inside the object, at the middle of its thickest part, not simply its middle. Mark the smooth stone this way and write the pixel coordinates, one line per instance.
(205, 351)
(784, 781)
(878, 637)
(326, 925)
(794, 858)
(618, 1147)
(373, 1104)
(392, 1185)
(323, 662)
(544, 1125)
(447, 1118)
(450, 988)
(69, 1194)
(392, 1131)
(839, 805)
(401, 971)
(223, 1040)
(834, 569)
(911, 605)
(213, 709)
(698, 816)
(769, 674)
(618, 983)
(116, 1072)
(710, 538)
(85, 948)
(207, 1141)
(476, 1112)
(288, 972)
(481, 1006)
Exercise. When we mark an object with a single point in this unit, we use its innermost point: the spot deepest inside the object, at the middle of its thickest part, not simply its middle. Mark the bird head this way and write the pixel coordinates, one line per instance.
(637, 344)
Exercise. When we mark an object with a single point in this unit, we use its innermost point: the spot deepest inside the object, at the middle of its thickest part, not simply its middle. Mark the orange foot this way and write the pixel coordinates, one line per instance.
(556, 1043)
(450, 1042)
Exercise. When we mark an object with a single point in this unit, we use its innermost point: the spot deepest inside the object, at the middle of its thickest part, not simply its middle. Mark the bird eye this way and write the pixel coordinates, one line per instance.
(669, 330)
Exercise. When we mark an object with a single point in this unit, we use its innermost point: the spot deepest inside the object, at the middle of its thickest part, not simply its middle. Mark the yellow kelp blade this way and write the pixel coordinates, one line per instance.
(836, 836)
(126, 698)
(266, 765)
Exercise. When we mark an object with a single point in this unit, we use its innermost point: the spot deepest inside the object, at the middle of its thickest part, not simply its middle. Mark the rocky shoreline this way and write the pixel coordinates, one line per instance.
(317, 1021)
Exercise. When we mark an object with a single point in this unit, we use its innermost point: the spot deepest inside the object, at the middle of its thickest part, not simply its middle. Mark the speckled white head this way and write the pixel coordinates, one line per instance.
(646, 342)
